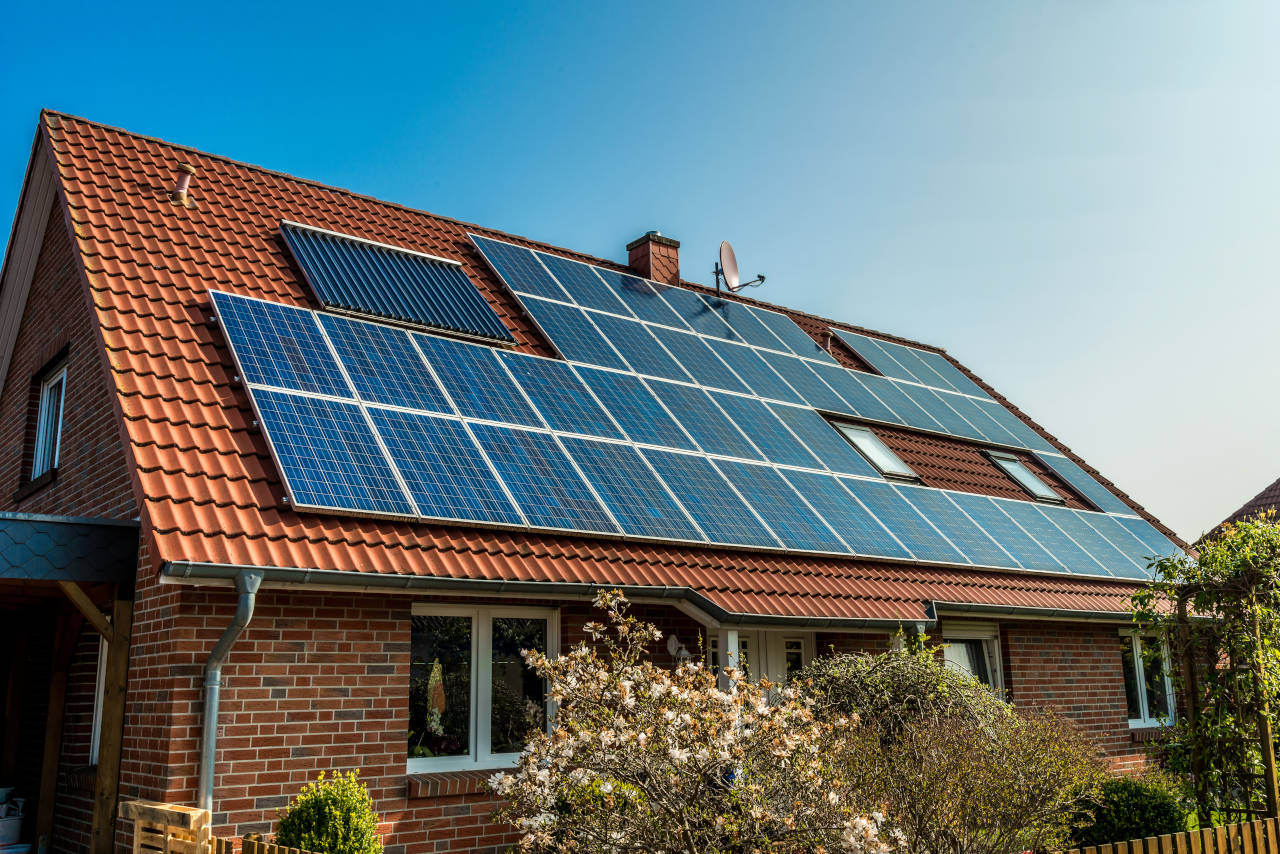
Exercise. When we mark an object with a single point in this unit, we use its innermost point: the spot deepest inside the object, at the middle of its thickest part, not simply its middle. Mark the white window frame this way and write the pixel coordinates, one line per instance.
(482, 618)
(1135, 646)
(45, 458)
(876, 452)
(766, 650)
(989, 635)
(99, 696)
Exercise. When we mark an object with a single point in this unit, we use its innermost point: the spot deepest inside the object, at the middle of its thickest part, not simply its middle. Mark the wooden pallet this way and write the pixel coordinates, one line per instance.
(168, 828)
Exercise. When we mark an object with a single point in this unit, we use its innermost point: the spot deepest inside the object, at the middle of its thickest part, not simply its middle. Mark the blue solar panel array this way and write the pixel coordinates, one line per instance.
(675, 417)
(374, 278)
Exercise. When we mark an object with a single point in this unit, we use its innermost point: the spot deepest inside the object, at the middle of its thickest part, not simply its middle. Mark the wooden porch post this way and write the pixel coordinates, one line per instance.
(106, 788)
(66, 633)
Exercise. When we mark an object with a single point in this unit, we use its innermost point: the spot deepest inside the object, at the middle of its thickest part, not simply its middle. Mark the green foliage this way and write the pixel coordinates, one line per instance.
(958, 770)
(1231, 595)
(333, 816)
(1133, 808)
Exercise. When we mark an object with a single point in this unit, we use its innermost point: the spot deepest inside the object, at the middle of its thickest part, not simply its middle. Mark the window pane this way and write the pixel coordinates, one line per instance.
(1130, 679)
(1025, 478)
(519, 696)
(876, 451)
(794, 650)
(48, 426)
(968, 656)
(1153, 676)
(440, 687)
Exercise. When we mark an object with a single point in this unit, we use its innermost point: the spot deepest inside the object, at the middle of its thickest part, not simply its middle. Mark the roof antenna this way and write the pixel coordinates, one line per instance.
(726, 272)
(179, 194)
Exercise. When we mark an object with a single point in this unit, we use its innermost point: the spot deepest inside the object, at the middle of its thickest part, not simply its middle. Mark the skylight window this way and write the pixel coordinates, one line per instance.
(1024, 477)
(877, 452)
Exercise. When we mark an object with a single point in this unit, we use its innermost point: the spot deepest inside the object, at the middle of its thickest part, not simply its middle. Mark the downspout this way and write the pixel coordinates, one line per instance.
(247, 583)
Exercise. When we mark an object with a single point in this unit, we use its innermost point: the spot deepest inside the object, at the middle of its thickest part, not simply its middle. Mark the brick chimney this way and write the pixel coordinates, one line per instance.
(655, 257)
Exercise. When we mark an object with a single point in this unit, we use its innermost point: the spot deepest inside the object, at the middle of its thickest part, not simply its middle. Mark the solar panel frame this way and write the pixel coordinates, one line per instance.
(1026, 436)
(870, 351)
(1000, 527)
(714, 431)
(698, 359)
(573, 334)
(698, 315)
(308, 366)
(958, 527)
(909, 358)
(1160, 545)
(782, 508)
(1066, 551)
(944, 368)
(635, 408)
(823, 440)
(977, 416)
(355, 475)
(851, 521)
(769, 435)
(468, 373)
(545, 483)
(902, 519)
(746, 326)
(1084, 484)
(891, 395)
(419, 445)
(793, 338)
(560, 397)
(580, 282)
(383, 364)
(639, 348)
(858, 397)
(518, 268)
(642, 296)
(754, 371)
(626, 483)
(1122, 538)
(801, 377)
(710, 500)
(1114, 561)
(951, 422)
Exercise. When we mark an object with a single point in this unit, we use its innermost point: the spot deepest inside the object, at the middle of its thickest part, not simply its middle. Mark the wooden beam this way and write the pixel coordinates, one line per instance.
(86, 607)
(106, 788)
(66, 633)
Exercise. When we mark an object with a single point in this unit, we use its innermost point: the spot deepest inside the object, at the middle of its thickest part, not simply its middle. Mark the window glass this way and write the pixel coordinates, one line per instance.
(440, 687)
(1132, 697)
(1024, 477)
(968, 656)
(1153, 677)
(519, 695)
(876, 451)
(794, 651)
(49, 423)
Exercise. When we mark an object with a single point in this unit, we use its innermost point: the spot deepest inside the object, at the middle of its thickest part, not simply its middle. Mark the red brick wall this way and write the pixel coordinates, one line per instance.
(92, 478)
(75, 771)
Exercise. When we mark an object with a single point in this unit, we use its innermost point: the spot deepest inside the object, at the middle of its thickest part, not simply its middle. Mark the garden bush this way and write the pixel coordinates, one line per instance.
(331, 816)
(1133, 808)
(958, 770)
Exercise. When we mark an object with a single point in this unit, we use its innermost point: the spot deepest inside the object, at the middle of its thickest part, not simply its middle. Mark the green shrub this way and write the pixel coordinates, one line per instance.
(333, 816)
(1134, 808)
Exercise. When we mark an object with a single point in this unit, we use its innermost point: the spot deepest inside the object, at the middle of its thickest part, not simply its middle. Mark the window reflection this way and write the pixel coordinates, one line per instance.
(519, 695)
(440, 687)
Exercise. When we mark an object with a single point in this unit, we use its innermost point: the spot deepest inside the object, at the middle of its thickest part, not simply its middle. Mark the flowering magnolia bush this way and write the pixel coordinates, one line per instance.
(644, 758)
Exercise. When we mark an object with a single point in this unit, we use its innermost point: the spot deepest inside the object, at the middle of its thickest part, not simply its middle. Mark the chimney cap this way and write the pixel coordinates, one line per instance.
(654, 237)
(187, 167)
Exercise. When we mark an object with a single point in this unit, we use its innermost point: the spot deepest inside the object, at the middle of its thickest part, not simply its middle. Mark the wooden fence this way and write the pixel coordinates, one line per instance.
(1253, 837)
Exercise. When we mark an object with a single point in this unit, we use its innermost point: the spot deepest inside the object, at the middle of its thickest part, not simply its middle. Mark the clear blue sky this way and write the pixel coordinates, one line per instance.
(1081, 201)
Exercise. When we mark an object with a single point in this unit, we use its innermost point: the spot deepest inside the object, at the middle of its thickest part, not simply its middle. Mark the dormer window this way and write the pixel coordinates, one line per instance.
(1024, 477)
(53, 388)
(877, 452)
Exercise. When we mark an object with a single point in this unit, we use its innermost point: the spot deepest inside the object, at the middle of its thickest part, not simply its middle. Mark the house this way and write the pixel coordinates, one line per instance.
(1268, 500)
(317, 466)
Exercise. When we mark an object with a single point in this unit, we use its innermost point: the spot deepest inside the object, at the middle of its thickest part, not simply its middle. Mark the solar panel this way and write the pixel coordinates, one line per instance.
(1064, 550)
(630, 489)
(476, 382)
(739, 317)
(518, 268)
(709, 499)
(559, 396)
(974, 542)
(1112, 559)
(781, 507)
(978, 417)
(1005, 531)
(859, 399)
(807, 384)
(1095, 493)
(753, 370)
(1157, 543)
(635, 408)
(703, 420)
(698, 360)
(581, 282)
(944, 368)
(642, 296)
(870, 351)
(913, 360)
(545, 484)
(441, 464)
(639, 348)
(903, 520)
(824, 441)
(383, 364)
(764, 429)
(571, 332)
(940, 412)
(791, 335)
(1123, 539)
(908, 411)
(1027, 437)
(699, 316)
(278, 345)
(328, 455)
(859, 530)
(374, 278)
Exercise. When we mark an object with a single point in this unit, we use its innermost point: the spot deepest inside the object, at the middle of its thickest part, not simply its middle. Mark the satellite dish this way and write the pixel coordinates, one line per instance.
(726, 272)
(729, 267)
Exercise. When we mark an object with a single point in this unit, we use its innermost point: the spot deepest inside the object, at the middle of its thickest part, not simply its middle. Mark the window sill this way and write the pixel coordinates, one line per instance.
(1147, 732)
(444, 784)
(29, 487)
